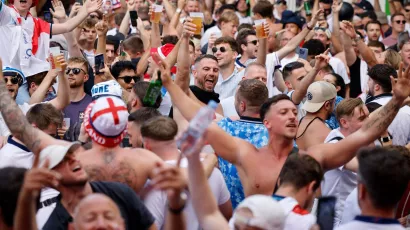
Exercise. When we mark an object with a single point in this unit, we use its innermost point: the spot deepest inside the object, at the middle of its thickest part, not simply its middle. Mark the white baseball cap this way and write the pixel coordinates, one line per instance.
(56, 153)
(106, 88)
(317, 94)
(267, 213)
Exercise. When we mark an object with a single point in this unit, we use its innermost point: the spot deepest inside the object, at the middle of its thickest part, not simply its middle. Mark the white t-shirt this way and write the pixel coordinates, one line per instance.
(286, 60)
(301, 112)
(352, 208)
(272, 61)
(338, 182)
(3, 127)
(339, 68)
(296, 217)
(228, 106)
(370, 223)
(156, 201)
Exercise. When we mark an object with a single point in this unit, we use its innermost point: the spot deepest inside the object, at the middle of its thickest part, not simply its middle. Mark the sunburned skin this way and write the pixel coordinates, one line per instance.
(129, 166)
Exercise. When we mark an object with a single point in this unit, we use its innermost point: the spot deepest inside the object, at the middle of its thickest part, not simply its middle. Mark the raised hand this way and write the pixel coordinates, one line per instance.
(102, 27)
(315, 18)
(59, 11)
(74, 10)
(60, 59)
(401, 87)
(322, 60)
(164, 68)
(348, 29)
(211, 41)
(336, 6)
(189, 28)
(170, 179)
(181, 4)
(266, 27)
(93, 5)
(131, 5)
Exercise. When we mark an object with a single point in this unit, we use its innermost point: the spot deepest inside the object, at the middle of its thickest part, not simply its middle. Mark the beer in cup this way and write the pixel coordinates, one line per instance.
(156, 13)
(55, 51)
(197, 19)
(260, 30)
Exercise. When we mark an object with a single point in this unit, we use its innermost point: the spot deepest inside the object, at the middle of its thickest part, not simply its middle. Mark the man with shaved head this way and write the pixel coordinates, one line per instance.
(97, 211)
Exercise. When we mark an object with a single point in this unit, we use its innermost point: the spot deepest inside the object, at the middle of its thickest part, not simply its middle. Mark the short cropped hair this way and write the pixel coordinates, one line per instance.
(254, 92)
(79, 60)
(159, 128)
(143, 114)
(385, 173)
(300, 170)
(44, 115)
(381, 73)
(228, 40)
(272, 101)
(263, 8)
(347, 106)
(287, 70)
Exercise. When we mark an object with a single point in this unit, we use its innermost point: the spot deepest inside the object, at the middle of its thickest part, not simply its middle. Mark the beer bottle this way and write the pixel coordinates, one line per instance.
(153, 92)
(307, 8)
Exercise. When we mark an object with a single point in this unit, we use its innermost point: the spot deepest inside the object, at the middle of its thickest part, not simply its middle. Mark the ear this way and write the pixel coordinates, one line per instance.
(338, 88)
(243, 47)
(343, 122)
(288, 85)
(34, 125)
(194, 72)
(32, 85)
(242, 106)
(310, 187)
(146, 143)
(361, 191)
(86, 77)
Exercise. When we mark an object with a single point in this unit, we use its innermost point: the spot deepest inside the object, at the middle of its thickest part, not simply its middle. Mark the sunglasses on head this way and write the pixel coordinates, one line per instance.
(400, 22)
(254, 42)
(320, 28)
(74, 70)
(128, 79)
(222, 49)
(13, 80)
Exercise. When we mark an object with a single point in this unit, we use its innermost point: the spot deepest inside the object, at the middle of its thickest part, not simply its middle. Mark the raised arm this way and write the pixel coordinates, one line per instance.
(335, 155)
(299, 93)
(336, 43)
(366, 53)
(41, 91)
(262, 50)
(33, 138)
(155, 34)
(204, 202)
(228, 147)
(89, 7)
(102, 28)
(182, 78)
(63, 99)
(347, 44)
(295, 41)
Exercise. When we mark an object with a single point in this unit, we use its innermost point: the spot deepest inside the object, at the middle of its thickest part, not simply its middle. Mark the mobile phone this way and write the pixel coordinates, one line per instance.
(99, 63)
(134, 17)
(303, 53)
(79, 2)
(326, 212)
(48, 17)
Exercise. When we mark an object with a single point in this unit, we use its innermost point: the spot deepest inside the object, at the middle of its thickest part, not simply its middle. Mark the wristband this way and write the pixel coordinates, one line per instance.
(309, 28)
(178, 11)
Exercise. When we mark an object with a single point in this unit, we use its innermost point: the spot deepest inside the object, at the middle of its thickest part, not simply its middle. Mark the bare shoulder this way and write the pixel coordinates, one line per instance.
(144, 154)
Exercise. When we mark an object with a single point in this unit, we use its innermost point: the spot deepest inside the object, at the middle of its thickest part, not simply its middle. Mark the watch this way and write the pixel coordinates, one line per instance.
(386, 139)
(178, 11)
(357, 38)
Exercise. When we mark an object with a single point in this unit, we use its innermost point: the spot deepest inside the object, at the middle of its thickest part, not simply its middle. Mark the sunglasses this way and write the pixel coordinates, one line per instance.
(222, 49)
(320, 28)
(128, 79)
(400, 22)
(254, 42)
(13, 80)
(74, 70)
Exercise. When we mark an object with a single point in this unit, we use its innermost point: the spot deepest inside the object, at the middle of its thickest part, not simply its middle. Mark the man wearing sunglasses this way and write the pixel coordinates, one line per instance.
(226, 51)
(248, 47)
(398, 22)
(124, 73)
(77, 74)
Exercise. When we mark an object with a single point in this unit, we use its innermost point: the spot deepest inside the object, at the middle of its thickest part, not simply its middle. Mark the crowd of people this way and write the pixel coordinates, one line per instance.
(104, 114)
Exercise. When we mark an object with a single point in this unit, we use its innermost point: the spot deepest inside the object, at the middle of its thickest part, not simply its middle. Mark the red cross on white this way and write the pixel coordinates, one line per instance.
(111, 109)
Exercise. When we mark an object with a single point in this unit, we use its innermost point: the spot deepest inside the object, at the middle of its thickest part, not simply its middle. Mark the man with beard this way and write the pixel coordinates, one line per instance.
(380, 92)
(321, 97)
(77, 74)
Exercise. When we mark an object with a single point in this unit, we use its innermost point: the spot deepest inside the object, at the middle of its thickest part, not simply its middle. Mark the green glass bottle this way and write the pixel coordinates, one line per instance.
(307, 8)
(154, 90)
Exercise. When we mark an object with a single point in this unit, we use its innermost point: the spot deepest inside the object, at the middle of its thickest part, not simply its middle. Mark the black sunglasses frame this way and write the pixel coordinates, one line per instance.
(13, 79)
(75, 71)
(222, 49)
(127, 79)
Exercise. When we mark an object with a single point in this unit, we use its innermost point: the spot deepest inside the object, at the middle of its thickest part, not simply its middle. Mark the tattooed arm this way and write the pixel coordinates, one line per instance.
(335, 155)
(33, 138)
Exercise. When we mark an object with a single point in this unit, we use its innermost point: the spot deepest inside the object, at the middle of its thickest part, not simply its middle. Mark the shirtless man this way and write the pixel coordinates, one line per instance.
(259, 168)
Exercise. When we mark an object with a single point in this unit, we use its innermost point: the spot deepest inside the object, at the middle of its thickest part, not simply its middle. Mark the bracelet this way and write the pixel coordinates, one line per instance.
(176, 211)
(309, 28)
